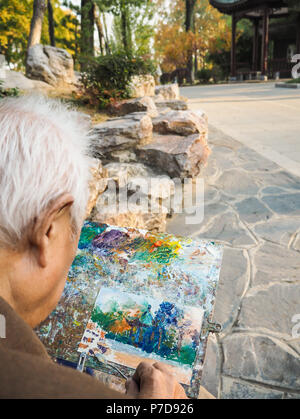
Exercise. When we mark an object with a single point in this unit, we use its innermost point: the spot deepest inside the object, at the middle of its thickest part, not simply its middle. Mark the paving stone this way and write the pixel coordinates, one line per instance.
(218, 138)
(292, 396)
(178, 224)
(274, 263)
(279, 179)
(234, 389)
(279, 230)
(211, 171)
(252, 210)
(260, 359)
(232, 284)
(236, 182)
(284, 204)
(227, 228)
(211, 368)
(273, 190)
(296, 244)
(224, 156)
(272, 308)
(252, 161)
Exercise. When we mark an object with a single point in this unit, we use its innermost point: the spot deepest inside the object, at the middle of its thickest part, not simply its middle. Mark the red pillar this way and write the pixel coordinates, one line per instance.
(233, 46)
(265, 43)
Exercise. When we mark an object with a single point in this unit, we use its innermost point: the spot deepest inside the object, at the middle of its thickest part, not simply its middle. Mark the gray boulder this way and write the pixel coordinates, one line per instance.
(176, 105)
(180, 123)
(50, 64)
(142, 104)
(121, 134)
(168, 91)
(176, 155)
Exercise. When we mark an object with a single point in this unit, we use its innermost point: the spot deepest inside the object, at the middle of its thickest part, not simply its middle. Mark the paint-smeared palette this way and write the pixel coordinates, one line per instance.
(133, 295)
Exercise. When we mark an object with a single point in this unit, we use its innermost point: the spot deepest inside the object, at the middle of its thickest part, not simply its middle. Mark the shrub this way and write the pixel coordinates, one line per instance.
(107, 78)
(8, 92)
(217, 73)
(204, 75)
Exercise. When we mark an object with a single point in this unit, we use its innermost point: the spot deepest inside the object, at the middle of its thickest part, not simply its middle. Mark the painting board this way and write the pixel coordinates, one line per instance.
(157, 266)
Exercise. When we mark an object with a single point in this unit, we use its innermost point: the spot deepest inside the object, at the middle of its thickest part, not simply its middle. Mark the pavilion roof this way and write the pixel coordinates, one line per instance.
(231, 6)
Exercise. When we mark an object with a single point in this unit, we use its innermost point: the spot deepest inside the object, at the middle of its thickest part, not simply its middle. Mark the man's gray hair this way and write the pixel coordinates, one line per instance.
(44, 149)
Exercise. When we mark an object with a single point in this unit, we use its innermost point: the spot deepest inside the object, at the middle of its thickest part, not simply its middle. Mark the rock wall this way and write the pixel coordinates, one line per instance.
(151, 142)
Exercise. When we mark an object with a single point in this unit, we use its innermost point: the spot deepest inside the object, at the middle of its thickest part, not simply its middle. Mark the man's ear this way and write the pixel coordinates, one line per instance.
(40, 235)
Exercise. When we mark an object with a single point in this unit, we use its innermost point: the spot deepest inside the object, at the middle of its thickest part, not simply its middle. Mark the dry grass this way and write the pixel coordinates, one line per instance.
(69, 96)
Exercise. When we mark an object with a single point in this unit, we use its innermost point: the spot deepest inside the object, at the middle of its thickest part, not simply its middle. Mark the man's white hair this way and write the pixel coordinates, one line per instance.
(44, 149)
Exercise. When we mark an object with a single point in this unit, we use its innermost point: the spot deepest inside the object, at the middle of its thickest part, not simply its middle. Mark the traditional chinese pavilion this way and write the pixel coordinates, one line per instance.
(276, 33)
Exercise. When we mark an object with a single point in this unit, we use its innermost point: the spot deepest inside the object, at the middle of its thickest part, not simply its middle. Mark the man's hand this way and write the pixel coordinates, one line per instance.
(154, 381)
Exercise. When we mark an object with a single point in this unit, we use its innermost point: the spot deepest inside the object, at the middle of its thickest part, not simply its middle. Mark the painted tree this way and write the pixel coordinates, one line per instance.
(39, 8)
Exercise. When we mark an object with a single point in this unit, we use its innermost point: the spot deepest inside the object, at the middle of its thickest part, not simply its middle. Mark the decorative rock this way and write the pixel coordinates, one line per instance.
(177, 156)
(122, 173)
(50, 64)
(135, 175)
(122, 133)
(107, 210)
(123, 156)
(97, 184)
(168, 91)
(180, 123)
(14, 79)
(260, 359)
(176, 105)
(142, 86)
(142, 104)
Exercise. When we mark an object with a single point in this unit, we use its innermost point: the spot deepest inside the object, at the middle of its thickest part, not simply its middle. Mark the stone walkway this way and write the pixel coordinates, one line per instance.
(252, 206)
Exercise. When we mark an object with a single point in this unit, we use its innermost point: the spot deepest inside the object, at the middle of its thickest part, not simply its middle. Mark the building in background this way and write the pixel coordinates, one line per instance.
(276, 35)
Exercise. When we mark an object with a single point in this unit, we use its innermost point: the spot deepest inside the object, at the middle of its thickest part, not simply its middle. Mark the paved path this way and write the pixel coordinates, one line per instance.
(252, 205)
(259, 115)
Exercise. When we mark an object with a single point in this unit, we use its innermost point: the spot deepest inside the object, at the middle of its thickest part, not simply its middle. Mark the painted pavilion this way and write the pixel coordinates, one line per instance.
(276, 34)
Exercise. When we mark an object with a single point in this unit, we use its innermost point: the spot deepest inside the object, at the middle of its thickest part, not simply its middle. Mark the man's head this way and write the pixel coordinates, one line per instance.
(43, 194)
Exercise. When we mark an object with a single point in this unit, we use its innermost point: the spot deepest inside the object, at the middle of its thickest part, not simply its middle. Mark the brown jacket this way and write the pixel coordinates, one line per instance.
(27, 371)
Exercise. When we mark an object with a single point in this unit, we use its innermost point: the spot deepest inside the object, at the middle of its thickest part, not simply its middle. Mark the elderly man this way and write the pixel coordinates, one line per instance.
(43, 189)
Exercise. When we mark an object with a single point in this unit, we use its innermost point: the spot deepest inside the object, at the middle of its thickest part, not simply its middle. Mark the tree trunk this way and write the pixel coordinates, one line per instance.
(189, 20)
(87, 30)
(39, 8)
(107, 47)
(99, 28)
(124, 26)
(51, 24)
